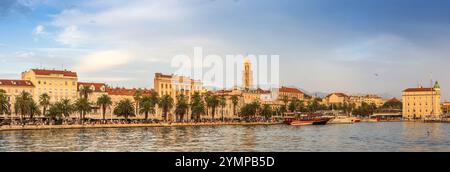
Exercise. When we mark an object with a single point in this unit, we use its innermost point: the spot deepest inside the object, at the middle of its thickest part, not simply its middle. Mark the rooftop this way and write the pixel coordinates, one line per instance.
(97, 86)
(127, 91)
(290, 90)
(25, 83)
(418, 89)
(54, 72)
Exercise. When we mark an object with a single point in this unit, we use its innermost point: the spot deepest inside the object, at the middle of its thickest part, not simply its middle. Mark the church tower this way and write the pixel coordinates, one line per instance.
(247, 74)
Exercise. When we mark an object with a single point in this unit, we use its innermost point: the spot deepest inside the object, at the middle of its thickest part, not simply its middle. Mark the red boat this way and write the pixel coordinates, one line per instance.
(313, 119)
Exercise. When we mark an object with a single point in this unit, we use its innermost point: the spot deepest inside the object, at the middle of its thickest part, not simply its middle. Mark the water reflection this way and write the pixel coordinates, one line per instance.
(358, 137)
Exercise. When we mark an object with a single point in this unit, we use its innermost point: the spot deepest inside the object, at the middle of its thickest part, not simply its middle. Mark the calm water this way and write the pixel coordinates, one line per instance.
(356, 137)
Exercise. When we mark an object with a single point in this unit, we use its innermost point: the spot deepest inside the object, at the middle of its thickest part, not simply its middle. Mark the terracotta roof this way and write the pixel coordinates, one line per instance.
(127, 92)
(57, 72)
(290, 90)
(338, 94)
(259, 90)
(23, 83)
(163, 75)
(97, 86)
(418, 89)
(393, 100)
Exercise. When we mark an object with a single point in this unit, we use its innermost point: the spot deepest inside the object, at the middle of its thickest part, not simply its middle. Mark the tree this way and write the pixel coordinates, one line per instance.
(44, 102)
(4, 103)
(124, 108)
(285, 100)
(147, 106)
(33, 109)
(266, 112)
(104, 101)
(250, 110)
(85, 91)
(294, 105)
(137, 99)
(197, 106)
(222, 103)
(393, 105)
(166, 104)
(59, 110)
(83, 106)
(23, 104)
(181, 107)
(212, 102)
(235, 102)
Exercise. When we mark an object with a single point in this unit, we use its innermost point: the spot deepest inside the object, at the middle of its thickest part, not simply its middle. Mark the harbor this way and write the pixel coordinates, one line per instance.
(364, 136)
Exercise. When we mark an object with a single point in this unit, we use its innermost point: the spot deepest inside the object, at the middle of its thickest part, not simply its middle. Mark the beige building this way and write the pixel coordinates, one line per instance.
(368, 99)
(57, 84)
(14, 88)
(336, 98)
(291, 93)
(174, 85)
(422, 103)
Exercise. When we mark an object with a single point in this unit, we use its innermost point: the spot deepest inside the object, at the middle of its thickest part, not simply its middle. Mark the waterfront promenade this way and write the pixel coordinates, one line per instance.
(46, 127)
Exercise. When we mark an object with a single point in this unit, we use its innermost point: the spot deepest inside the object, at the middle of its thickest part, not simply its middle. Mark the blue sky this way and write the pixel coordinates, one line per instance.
(332, 45)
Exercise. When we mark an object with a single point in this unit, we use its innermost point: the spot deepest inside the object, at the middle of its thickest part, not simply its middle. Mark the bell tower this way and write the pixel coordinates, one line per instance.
(247, 74)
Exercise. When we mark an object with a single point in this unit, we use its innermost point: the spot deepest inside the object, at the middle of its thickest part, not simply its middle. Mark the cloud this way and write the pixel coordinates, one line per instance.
(25, 55)
(103, 60)
(39, 30)
(72, 36)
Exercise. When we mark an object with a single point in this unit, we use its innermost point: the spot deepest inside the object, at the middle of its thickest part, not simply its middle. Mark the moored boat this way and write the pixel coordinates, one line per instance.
(301, 123)
(342, 120)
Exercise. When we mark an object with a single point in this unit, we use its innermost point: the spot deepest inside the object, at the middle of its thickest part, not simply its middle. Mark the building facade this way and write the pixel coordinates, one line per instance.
(336, 98)
(368, 99)
(57, 84)
(174, 85)
(422, 103)
(14, 88)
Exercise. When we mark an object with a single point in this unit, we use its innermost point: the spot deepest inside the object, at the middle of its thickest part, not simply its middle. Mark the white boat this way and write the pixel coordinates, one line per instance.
(341, 120)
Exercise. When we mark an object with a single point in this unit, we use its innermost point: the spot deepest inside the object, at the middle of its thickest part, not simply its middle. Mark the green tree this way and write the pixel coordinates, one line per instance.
(285, 100)
(250, 110)
(124, 108)
(82, 106)
(44, 102)
(137, 99)
(166, 104)
(104, 101)
(212, 102)
(181, 107)
(235, 102)
(85, 91)
(197, 106)
(4, 103)
(34, 109)
(266, 112)
(59, 110)
(23, 104)
(223, 104)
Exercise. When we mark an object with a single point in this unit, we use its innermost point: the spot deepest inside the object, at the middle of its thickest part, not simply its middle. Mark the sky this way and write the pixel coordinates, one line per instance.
(351, 46)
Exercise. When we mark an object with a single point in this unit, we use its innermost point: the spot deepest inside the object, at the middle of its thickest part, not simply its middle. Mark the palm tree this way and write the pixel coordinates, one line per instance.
(83, 106)
(147, 106)
(181, 107)
(22, 104)
(266, 111)
(85, 91)
(285, 100)
(166, 103)
(66, 107)
(4, 103)
(125, 108)
(235, 101)
(197, 106)
(104, 101)
(154, 99)
(137, 99)
(44, 102)
(222, 103)
(33, 109)
(212, 101)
